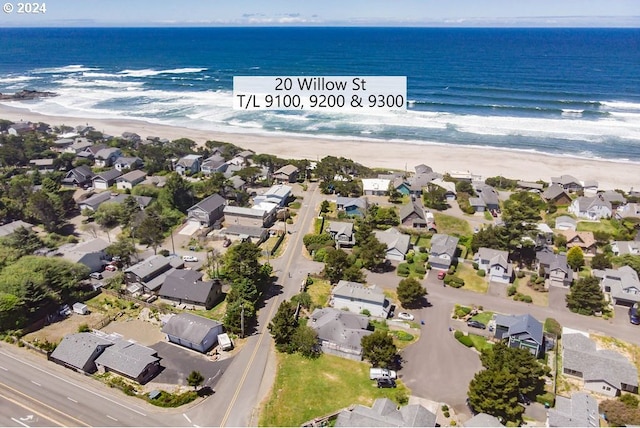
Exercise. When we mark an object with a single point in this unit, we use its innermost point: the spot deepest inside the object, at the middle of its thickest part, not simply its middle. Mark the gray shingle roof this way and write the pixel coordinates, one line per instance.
(349, 202)
(393, 239)
(581, 410)
(483, 420)
(356, 290)
(579, 353)
(341, 228)
(186, 285)
(76, 349)
(523, 326)
(149, 266)
(385, 413)
(192, 328)
(9, 228)
(443, 244)
(134, 175)
(340, 327)
(623, 283)
(585, 203)
(287, 170)
(109, 175)
(210, 203)
(553, 192)
(95, 200)
(127, 358)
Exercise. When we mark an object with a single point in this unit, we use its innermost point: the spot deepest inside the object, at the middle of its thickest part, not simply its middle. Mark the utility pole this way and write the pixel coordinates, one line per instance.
(173, 246)
(242, 320)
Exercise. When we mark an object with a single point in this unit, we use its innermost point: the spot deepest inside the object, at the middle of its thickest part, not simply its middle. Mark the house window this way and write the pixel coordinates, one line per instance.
(606, 388)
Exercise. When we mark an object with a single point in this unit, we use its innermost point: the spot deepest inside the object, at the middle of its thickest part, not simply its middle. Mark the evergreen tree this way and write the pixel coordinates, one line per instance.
(176, 194)
(496, 393)
(410, 291)
(529, 372)
(600, 261)
(283, 326)
(372, 253)
(150, 231)
(335, 263)
(305, 341)
(378, 348)
(26, 241)
(195, 379)
(586, 296)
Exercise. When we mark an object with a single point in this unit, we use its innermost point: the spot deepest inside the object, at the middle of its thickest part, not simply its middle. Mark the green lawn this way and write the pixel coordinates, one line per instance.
(488, 216)
(603, 225)
(472, 281)
(452, 225)
(319, 291)
(483, 317)
(308, 388)
(480, 342)
(419, 259)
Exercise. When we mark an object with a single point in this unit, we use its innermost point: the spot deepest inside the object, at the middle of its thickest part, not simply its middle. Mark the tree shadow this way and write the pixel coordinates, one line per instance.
(205, 391)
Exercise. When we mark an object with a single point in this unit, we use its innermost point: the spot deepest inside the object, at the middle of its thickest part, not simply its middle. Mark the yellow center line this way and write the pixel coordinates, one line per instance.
(49, 418)
(262, 335)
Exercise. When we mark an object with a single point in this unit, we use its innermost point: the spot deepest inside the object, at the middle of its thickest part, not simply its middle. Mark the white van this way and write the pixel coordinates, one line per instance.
(377, 373)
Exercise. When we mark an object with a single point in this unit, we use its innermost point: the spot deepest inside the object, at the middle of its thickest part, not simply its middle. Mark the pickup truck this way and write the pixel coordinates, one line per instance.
(378, 373)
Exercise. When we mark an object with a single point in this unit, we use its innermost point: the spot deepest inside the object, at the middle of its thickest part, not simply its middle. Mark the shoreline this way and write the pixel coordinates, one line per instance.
(442, 158)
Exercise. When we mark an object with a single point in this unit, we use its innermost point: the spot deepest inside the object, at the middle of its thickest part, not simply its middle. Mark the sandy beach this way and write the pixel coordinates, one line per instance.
(442, 158)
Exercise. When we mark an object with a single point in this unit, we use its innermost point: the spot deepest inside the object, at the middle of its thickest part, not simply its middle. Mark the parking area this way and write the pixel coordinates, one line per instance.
(178, 362)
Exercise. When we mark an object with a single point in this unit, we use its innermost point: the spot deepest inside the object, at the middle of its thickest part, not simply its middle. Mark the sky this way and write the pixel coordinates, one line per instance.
(458, 13)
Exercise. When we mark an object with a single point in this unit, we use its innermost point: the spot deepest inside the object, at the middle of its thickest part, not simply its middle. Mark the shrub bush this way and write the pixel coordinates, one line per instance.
(403, 269)
(453, 281)
(552, 326)
(475, 265)
(520, 274)
(445, 408)
(446, 414)
(319, 255)
(419, 269)
(546, 398)
(458, 334)
(629, 400)
(409, 257)
(452, 270)
(365, 312)
(403, 336)
(466, 341)
(511, 290)
(481, 273)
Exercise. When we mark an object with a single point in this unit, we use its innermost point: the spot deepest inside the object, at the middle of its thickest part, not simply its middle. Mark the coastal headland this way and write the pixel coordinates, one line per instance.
(484, 161)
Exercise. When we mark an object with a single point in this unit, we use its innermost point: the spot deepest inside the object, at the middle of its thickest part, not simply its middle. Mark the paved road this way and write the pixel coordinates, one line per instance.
(250, 376)
(54, 395)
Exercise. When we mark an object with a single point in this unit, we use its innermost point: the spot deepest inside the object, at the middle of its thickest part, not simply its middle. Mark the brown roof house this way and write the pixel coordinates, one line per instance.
(556, 194)
(286, 174)
(584, 240)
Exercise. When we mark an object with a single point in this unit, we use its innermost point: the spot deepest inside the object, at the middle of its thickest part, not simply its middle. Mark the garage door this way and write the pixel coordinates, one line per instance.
(190, 228)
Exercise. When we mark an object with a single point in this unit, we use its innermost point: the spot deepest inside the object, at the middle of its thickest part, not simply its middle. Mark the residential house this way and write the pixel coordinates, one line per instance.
(9, 228)
(544, 235)
(420, 180)
(79, 145)
(620, 248)
(131, 137)
(556, 194)
(79, 351)
(286, 174)
(237, 183)
(20, 128)
(628, 210)
(247, 233)
(448, 186)
(616, 199)
(443, 251)
(584, 240)
(564, 222)
(90, 253)
(212, 164)
(495, 263)
(555, 268)
(530, 186)
(93, 202)
(592, 208)
(590, 187)
(340, 332)
(342, 233)
(483, 420)
(44, 165)
(465, 176)
(61, 144)
(106, 179)
(385, 413)
(147, 270)
(91, 151)
(208, 211)
(107, 156)
(230, 170)
(125, 163)
(189, 164)
(185, 287)
(278, 194)
(375, 186)
(423, 169)
(488, 195)
(603, 371)
(129, 180)
(568, 183)
(142, 201)
(521, 331)
(79, 177)
(581, 410)
(417, 216)
(192, 331)
(357, 297)
(259, 216)
(352, 206)
(397, 243)
(129, 359)
(622, 284)
(477, 204)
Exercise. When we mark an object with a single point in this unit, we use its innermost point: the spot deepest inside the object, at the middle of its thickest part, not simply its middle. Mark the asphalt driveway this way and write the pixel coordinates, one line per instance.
(178, 362)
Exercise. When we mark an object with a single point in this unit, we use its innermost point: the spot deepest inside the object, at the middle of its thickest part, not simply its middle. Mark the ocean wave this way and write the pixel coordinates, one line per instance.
(17, 79)
(74, 68)
(70, 81)
(148, 72)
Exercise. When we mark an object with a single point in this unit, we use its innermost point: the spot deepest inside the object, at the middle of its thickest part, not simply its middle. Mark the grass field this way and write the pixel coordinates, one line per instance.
(480, 342)
(452, 225)
(483, 317)
(539, 298)
(319, 291)
(308, 388)
(603, 225)
(472, 281)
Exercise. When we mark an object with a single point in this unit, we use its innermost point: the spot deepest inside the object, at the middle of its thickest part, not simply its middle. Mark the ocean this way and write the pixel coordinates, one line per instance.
(570, 92)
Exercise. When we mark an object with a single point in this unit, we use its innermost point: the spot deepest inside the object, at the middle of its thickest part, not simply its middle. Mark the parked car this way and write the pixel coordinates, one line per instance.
(111, 268)
(476, 324)
(385, 382)
(378, 373)
(226, 243)
(405, 316)
(634, 317)
(523, 399)
(442, 274)
(95, 275)
(189, 258)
